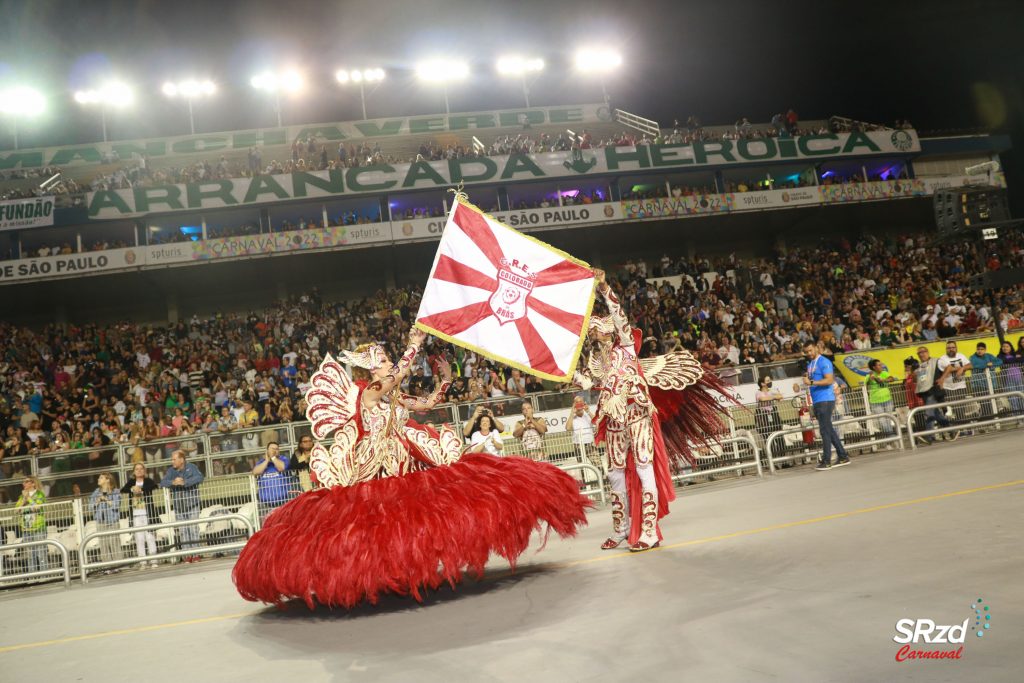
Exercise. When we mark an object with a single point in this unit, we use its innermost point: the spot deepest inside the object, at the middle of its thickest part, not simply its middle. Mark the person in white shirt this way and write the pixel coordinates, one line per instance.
(581, 424)
(485, 438)
(952, 367)
(516, 385)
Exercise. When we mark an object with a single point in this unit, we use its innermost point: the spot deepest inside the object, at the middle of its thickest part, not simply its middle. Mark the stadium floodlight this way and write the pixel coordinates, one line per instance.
(21, 102)
(521, 67)
(599, 61)
(289, 82)
(190, 89)
(360, 77)
(443, 71)
(114, 94)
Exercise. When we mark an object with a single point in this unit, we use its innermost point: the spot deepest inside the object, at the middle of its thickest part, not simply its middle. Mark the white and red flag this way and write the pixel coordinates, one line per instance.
(507, 296)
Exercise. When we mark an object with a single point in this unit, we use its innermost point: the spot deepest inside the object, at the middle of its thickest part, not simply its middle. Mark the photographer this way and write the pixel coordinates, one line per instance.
(485, 438)
(469, 427)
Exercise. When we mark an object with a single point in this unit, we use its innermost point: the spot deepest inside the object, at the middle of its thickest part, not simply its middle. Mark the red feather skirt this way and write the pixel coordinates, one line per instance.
(342, 545)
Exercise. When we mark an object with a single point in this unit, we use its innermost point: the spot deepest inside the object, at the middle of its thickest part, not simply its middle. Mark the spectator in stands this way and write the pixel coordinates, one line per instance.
(298, 464)
(880, 396)
(273, 485)
(140, 488)
(184, 478)
(983, 362)
(767, 419)
(930, 392)
(516, 385)
(458, 391)
(32, 502)
(470, 425)
(485, 438)
(580, 423)
(820, 378)
(1010, 377)
(983, 369)
(226, 424)
(951, 368)
(105, 506)
(531, 430)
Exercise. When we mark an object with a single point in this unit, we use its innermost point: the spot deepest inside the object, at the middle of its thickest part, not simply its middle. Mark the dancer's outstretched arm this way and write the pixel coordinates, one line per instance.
(615, 312)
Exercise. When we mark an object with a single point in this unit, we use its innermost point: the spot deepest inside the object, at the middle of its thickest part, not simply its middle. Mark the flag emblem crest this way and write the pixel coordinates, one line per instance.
(507, 296)
(509, 300)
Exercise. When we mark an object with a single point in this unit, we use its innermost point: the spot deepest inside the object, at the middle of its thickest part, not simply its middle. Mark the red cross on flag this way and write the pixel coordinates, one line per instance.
(507, 296)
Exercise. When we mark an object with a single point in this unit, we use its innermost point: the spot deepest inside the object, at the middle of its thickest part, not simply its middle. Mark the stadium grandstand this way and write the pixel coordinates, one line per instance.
(129, 332)
(172, 297)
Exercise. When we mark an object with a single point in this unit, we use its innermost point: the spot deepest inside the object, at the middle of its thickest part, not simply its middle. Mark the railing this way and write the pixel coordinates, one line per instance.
(958, 425)
(587, 488)
(65, 564)
(85, 565)
(716, 459)
(893, 437)
(638, 123)
(61, 522)
(559, 449)
(229, 508)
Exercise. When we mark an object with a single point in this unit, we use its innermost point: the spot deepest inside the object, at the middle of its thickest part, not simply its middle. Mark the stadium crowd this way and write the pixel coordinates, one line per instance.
(68, 389)
(868, 293)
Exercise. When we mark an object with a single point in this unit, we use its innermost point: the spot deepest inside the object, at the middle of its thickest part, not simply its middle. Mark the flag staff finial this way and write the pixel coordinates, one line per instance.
(460, 193)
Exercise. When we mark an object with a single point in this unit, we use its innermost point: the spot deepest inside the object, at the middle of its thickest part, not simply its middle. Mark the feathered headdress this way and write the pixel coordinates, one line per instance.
(370, 358)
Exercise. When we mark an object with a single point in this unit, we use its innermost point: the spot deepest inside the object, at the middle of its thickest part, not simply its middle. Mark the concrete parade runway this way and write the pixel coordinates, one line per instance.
(800, 577)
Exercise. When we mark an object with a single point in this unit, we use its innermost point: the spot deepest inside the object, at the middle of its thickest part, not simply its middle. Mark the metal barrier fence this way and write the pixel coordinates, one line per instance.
(561, 449)
(229, 504)
(991, 413)
(734, 454)
(20, 577)
(804, 442)
(85, 565)
(21, 527)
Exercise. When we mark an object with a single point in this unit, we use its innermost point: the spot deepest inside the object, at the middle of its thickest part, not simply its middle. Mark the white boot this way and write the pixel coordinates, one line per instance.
(648, 511)
(620, 510)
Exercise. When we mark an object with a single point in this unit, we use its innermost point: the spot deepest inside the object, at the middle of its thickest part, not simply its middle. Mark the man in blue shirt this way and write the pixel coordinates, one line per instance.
(820, 377)
(274, 484)
(184, 478)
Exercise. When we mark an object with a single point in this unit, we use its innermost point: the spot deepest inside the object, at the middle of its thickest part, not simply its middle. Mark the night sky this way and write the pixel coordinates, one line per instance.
(942, 65)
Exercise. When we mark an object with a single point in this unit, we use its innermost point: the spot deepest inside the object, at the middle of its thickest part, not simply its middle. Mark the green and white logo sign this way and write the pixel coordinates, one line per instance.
(441, 174)
(479, 123)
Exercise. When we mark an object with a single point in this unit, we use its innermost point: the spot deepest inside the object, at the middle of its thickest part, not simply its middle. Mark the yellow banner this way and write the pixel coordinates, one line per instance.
(854, 366)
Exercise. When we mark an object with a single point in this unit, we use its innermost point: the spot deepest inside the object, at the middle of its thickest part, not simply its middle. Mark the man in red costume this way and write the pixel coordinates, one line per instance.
(636, 397)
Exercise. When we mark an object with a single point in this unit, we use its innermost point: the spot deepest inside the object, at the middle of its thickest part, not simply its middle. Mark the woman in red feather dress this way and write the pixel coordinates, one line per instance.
(399, 506)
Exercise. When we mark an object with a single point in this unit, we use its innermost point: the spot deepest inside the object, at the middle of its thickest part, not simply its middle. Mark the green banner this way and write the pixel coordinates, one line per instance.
(442, 174)
(324, 133)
